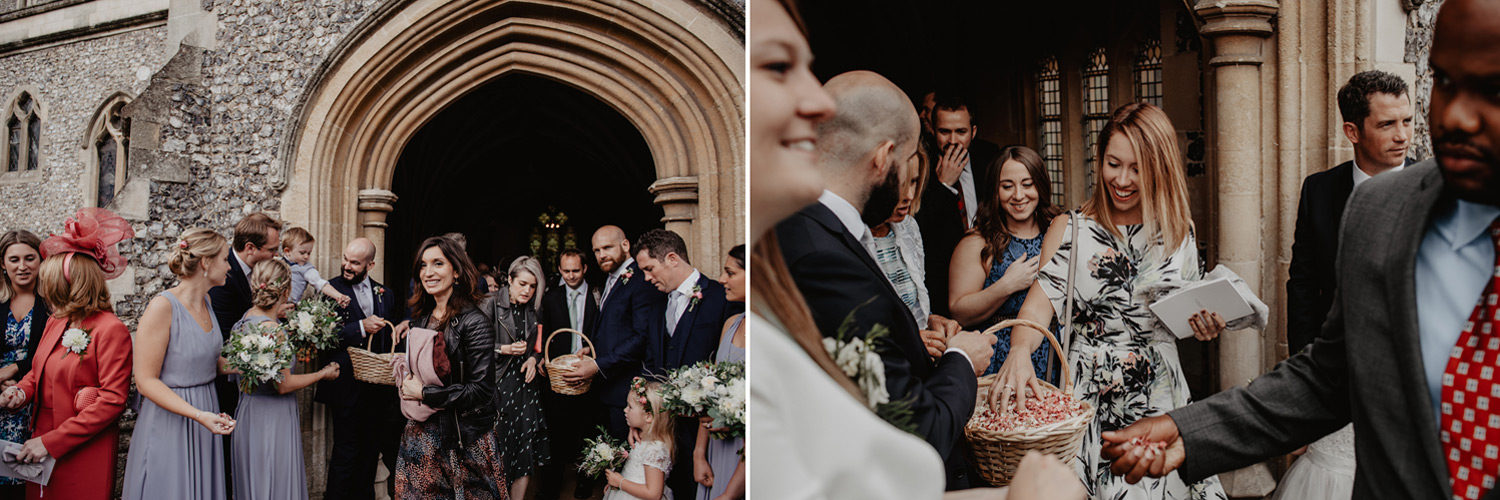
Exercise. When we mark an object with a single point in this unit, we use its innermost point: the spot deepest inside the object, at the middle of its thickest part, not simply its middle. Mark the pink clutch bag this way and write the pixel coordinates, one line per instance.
(85, 398)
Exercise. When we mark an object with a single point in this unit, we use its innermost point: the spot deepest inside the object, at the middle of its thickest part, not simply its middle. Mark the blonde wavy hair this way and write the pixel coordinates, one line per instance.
(1164, 199)
(270, 283)
(195, 246)
(661, 426)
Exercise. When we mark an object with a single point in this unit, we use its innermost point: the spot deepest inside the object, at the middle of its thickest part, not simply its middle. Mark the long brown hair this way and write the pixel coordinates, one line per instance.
(466, 282)
(1164, 199)
(16, 237)
(992, 222)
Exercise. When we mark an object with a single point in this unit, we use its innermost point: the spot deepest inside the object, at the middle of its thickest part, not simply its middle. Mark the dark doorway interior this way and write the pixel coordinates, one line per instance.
(492, 163)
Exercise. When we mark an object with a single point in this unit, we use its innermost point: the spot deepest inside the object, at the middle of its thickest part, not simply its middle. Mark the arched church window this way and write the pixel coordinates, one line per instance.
(1148, 73)
(1049, 100)
(1095, 107)
(109, 138)
(23, 135)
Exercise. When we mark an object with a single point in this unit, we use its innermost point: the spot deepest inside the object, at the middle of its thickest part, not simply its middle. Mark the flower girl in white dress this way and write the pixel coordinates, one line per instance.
(650, 460)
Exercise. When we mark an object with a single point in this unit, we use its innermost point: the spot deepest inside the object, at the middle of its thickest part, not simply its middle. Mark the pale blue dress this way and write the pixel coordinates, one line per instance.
(267, 451)
(173, 457)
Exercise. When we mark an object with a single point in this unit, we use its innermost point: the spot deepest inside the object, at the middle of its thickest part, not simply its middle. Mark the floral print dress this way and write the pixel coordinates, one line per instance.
(1124, 361)
(15, 425)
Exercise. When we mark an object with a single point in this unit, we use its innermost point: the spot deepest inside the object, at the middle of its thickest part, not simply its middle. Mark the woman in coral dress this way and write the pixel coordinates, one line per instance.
(82, 367)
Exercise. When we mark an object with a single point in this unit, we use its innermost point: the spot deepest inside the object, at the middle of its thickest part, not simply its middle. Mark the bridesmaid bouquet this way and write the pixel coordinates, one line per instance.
(313, 326)
(712, 389)
(602, 453)
(259, 353)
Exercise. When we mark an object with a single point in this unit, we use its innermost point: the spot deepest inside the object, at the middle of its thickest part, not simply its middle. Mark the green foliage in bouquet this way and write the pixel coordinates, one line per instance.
(259, 352)
(313, 326)
(602, 453)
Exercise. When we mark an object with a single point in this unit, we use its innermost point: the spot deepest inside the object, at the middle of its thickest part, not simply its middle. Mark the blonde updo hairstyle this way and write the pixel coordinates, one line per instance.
(270, 283)
(197, 246)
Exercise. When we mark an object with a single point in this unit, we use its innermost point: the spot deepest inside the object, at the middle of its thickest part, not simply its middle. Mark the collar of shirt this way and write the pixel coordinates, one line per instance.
(615, 274)
(686, 287)
(583, 288)
(243, 266)
(847, 214)
(1465, 222)
(1360, 176)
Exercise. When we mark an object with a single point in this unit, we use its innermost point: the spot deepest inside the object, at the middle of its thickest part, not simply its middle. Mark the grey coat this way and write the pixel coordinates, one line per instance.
(497, 308)
(1365, 366)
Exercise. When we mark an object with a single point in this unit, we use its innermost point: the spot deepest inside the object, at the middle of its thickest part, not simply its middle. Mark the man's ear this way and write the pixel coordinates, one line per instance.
(1351, 132)
(882, 159)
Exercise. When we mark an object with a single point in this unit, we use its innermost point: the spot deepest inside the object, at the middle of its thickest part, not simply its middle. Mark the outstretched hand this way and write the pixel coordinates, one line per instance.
(1150, 447)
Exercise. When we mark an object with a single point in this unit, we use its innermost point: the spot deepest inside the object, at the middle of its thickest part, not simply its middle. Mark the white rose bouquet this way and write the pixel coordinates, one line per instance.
(715, 390)
(602, 453)
(313, 326)
(259, 352)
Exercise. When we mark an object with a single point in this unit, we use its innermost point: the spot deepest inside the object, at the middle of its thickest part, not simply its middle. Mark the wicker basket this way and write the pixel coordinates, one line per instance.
(372, 367)
(565, 362)
(997, 454)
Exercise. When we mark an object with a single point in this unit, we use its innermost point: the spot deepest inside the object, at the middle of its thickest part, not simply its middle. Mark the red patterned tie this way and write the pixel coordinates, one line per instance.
(1470, 427)
(963, 210)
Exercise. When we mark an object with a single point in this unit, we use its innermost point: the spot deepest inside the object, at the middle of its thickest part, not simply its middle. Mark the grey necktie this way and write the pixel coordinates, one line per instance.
(673, 312)
(573, 318)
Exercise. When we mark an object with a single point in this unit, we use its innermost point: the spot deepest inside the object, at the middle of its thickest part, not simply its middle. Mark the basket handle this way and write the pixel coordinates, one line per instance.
(1067, 376)
(547, 349)
(371, 337)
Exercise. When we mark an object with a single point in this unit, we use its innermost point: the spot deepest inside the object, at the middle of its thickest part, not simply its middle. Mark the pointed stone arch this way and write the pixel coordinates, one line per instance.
(673, 69)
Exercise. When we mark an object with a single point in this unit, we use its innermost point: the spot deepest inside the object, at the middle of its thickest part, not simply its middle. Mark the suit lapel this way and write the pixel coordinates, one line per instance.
(1407, 238)
(684, 324)
(825, 217)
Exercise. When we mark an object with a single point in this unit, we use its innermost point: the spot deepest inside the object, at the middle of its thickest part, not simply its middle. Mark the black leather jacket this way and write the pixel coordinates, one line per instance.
(468, 401)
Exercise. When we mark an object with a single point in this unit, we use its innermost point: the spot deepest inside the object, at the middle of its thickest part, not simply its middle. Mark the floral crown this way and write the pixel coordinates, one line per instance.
(638, 390)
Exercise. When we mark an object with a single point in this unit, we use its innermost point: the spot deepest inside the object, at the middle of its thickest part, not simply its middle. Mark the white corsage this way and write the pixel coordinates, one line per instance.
(858, 359)
(76, 340)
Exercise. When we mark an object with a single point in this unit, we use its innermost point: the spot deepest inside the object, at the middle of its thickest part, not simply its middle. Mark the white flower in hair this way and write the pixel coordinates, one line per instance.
(76, 340)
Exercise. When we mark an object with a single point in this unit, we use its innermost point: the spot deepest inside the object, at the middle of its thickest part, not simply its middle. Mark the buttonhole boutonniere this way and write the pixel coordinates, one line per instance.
(697, 297)
(76, 340)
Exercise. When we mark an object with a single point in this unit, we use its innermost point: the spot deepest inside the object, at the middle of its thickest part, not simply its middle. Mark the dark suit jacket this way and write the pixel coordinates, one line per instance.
(342, 390)
(696, 337)
(1365, 366)
(620, 335)
(838, 277)
(942, 224)
(231, 299)
(555, 316)
(39, 314)
(1309, 290)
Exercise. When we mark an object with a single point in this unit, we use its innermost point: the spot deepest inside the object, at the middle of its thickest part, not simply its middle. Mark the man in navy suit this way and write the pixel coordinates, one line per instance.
(256, 238)
(620, 334)
(570, 419)
(685, 328)
(366, 419)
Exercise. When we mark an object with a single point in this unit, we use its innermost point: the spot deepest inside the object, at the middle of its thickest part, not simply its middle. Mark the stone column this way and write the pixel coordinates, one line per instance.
(678, 198)
(1238, 31)
(374, 206)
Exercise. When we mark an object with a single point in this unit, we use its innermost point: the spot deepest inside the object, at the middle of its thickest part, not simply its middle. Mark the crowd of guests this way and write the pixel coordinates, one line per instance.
(479, 422)
(890, 218)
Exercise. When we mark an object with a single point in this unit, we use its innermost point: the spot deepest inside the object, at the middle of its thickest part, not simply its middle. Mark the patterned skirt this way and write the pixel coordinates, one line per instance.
(426, 471)
(523, 430)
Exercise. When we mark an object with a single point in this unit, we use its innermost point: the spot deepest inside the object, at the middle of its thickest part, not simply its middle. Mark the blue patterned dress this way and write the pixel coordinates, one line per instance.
(15, 424)
(1017, 249)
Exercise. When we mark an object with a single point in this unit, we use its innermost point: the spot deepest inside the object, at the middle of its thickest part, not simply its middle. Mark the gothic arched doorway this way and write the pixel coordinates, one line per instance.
(497, 159)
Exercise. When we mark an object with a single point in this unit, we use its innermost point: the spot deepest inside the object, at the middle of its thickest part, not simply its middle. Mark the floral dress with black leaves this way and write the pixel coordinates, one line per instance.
(1124, 361)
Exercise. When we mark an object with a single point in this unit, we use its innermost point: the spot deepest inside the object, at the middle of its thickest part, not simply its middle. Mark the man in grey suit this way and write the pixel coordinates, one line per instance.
(1417, 254)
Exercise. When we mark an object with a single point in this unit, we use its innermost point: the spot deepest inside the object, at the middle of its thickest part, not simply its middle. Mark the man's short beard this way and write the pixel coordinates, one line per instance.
(883, 199)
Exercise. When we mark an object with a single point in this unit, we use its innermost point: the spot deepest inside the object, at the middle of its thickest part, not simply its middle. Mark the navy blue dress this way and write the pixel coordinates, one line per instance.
(1017, 249)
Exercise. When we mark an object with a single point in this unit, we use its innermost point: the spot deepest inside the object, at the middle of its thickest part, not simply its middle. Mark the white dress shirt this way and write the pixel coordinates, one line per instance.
(1360, 176)
(243, 266)
(677, 301)
(966, 190)
(1454, 263)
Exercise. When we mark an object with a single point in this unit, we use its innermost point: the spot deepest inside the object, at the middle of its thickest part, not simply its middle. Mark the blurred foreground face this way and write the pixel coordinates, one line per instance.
(786, 101)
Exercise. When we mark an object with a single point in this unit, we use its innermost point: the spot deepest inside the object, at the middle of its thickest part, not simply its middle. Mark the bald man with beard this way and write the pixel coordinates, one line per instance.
(872, 136)
(1409, 350)
(367, 422)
